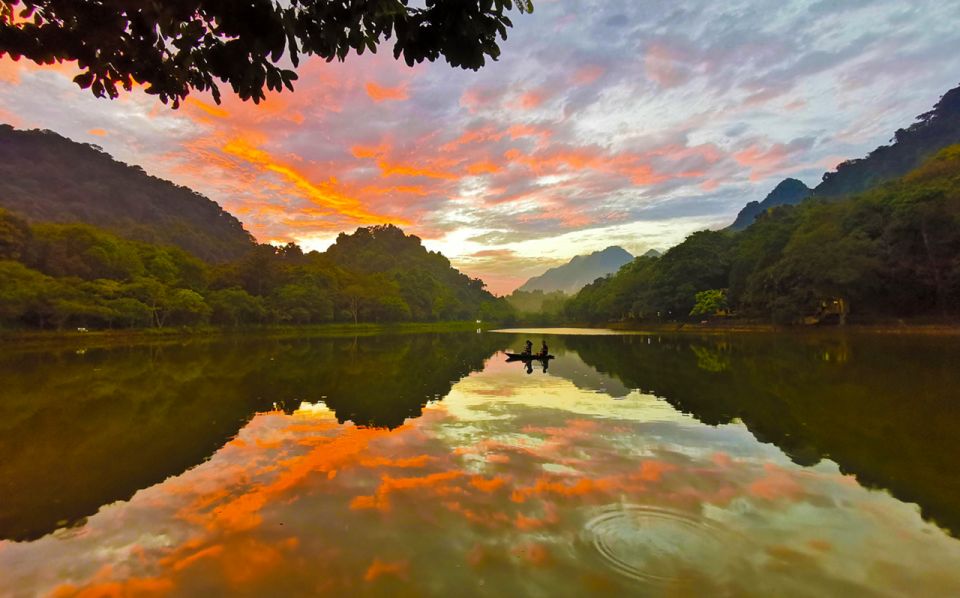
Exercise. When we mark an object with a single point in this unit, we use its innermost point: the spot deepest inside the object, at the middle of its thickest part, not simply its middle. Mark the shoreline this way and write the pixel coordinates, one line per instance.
(17, 339)
(927, 329)
(39, 338)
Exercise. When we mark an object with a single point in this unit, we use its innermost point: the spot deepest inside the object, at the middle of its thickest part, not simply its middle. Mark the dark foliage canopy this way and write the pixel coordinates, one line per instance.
(175, 46)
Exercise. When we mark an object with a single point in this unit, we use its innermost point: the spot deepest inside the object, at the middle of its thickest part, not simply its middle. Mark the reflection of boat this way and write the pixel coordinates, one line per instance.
(534, 357)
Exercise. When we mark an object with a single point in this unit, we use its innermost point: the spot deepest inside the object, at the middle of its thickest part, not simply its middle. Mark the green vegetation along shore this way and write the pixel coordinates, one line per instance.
(67, 276)
(889, 253)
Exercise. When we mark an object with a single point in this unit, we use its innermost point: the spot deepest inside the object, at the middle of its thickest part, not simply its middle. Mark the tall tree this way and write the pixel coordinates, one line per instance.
(175, 46)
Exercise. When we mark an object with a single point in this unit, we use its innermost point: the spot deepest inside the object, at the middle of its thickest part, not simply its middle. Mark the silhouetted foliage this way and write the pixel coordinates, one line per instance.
(175, 46)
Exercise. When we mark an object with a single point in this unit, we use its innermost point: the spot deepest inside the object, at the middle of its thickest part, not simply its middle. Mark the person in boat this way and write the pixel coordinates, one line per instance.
(528, 350)
(543, 349)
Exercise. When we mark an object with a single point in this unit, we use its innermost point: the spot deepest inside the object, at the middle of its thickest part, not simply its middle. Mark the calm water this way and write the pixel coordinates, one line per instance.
(425, 465)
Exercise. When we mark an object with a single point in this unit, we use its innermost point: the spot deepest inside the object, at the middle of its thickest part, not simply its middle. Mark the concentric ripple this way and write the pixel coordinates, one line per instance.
(658, 545)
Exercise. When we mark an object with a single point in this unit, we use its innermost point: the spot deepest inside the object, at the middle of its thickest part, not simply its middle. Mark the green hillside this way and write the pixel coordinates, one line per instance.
(45, 177)
(66, 275)
(890, 252)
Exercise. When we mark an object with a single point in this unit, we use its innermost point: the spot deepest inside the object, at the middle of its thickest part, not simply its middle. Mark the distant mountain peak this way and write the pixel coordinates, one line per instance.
(579, 271)
(787, 192)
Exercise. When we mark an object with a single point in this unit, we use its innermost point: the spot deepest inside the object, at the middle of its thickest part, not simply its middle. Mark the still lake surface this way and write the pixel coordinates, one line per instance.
(426, 465)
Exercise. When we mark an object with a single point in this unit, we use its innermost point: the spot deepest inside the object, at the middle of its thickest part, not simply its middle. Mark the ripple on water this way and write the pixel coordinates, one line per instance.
(658, 545)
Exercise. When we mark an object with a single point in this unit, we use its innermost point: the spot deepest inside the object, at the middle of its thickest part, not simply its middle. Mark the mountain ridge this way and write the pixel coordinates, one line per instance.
(788, 192)
(46, 177)
(909, 148)
(579, 271)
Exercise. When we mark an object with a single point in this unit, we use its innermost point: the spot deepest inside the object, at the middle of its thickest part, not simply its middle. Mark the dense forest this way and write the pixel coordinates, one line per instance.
(45, 177)
(65, 275)
(893, 251)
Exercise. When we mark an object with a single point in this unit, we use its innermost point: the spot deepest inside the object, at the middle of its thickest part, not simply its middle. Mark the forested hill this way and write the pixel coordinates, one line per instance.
(65, 275)
(890, 252)
(788, 192)
(400, 271)
(581, 270)
(45, 177)
(932, 132)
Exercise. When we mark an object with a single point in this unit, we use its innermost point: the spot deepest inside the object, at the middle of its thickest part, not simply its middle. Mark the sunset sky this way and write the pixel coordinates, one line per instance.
(629, 122)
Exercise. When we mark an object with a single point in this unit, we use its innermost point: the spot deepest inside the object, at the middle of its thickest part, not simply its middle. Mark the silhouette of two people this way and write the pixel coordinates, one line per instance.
(528, 349)
(544, 352)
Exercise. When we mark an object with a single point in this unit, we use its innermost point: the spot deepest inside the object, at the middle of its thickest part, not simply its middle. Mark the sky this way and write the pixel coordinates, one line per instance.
(605, 122)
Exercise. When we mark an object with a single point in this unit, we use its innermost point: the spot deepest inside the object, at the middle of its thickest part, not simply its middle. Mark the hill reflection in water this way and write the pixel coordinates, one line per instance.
(425, 463)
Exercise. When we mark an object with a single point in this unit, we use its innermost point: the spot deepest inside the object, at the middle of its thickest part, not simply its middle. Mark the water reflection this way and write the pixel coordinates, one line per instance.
(66, 416)
(885, 408)
(563, 482)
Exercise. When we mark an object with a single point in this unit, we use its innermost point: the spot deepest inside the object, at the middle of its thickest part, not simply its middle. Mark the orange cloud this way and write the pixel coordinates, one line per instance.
(435, 170)
(102, 586)
(378, 569)
(531, 99)
(368, 151)
(778, 484)
(484, 167)
(324, 194)
(518, 131)
(764, 160)
(390, 169)
(380, 93)
(651, 471)
(477, 135)
(484, 485)
(97, 132)
(9, 71)
(438, 484)
(546, 486)
(209, 109)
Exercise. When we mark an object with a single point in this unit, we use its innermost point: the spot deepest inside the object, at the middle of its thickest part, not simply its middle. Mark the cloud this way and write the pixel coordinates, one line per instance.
(648, 118)
(379, 93)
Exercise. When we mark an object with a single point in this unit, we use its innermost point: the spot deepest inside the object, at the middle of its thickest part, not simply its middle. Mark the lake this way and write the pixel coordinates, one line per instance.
(427, 465)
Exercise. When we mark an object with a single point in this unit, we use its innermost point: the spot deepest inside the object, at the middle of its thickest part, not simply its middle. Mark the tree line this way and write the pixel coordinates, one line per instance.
(890, 252)
(78, 275)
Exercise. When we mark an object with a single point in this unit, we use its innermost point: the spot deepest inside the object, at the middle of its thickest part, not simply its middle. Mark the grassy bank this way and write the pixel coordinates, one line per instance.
(31, 338)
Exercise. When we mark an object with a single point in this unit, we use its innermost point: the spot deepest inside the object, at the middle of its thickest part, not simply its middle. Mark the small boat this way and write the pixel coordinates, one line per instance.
(531, 357)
